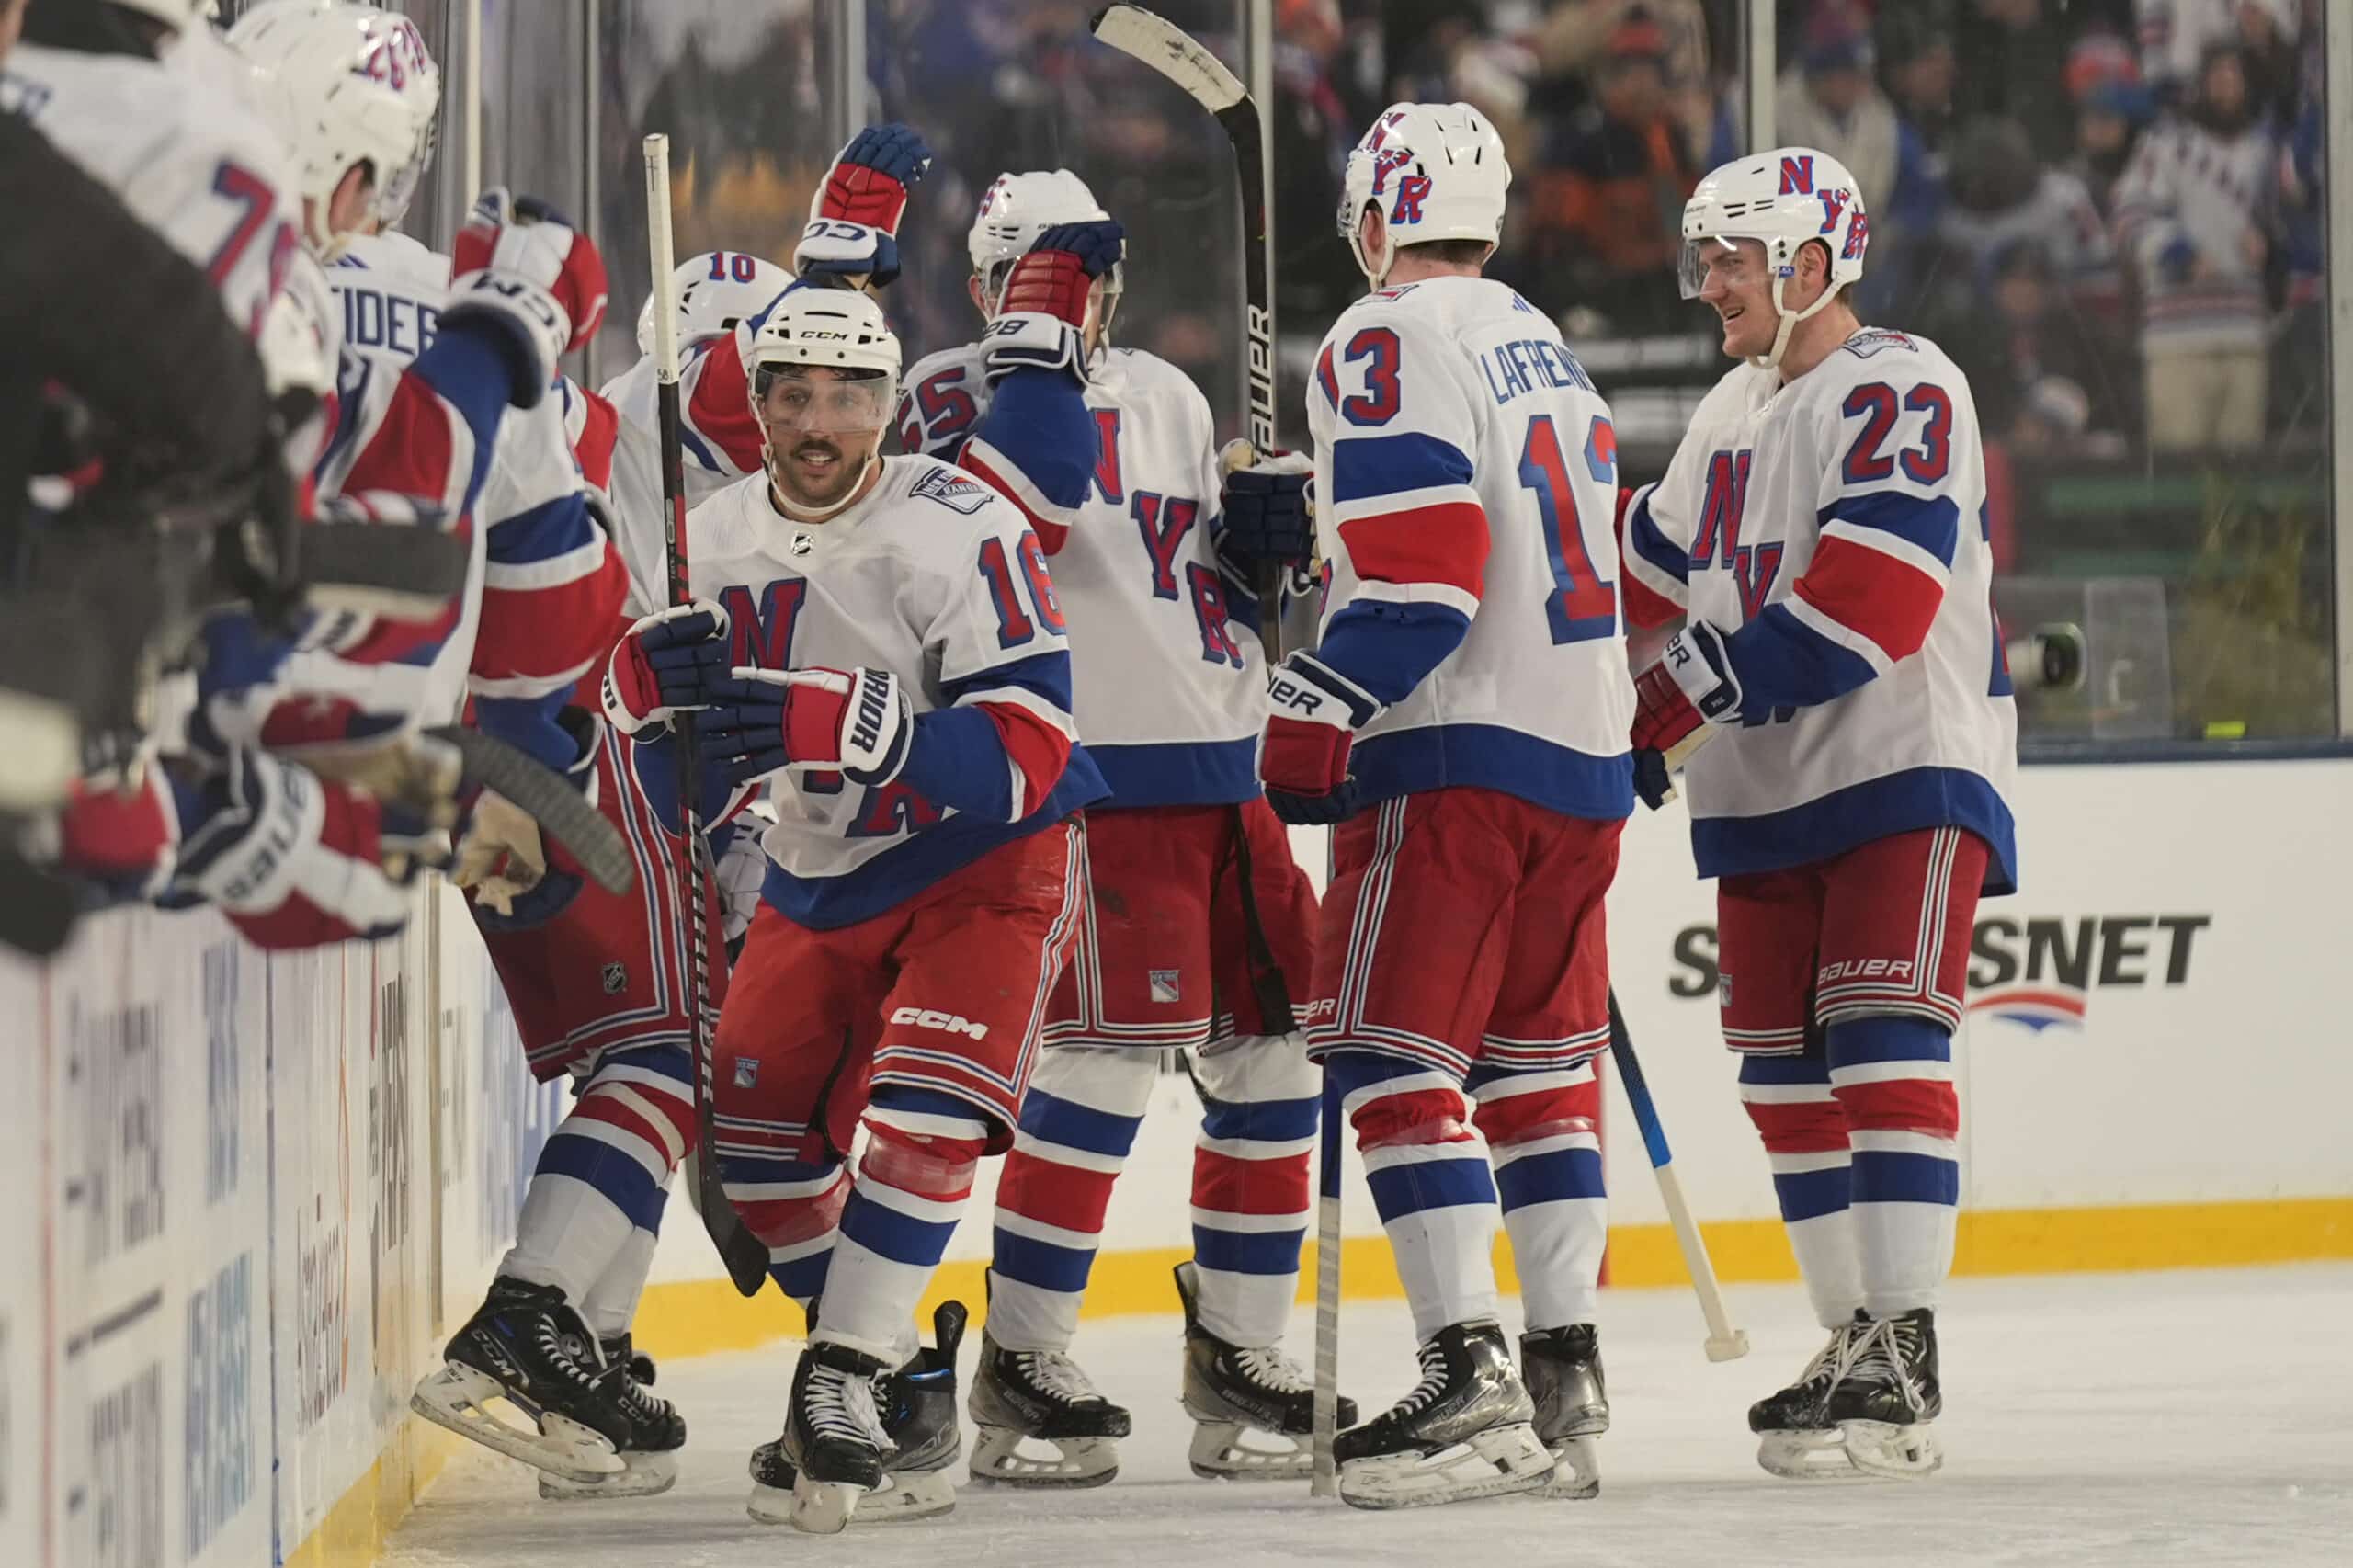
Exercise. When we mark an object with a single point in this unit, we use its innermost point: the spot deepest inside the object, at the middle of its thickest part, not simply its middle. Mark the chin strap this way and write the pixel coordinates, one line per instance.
(800, 512)
(1771, 360)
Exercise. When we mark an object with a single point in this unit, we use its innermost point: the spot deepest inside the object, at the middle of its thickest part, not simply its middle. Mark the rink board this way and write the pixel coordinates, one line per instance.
(2152, 1072)
(269, 1186)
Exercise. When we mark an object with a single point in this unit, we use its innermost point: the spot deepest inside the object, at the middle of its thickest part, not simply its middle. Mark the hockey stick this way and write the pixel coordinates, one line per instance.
(1725, 1343)
(562, 811)
(745, 1257)
(1176, 54)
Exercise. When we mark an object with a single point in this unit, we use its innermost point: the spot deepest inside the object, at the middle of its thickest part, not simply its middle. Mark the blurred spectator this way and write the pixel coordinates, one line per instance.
(2011, 61)
(2001, 195)
(1916, 67)
(2176, 34)
(2299, 364)
(2022, 332)
(1609, 208)
(2194, 210)
(2111, 105)
(1827, 100)
(1310, 134)
(1575, 38)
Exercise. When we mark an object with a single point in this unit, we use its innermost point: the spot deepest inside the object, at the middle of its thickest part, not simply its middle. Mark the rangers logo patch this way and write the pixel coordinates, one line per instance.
(953, 490)
(616, 977)
(1164, 984)
(748, 1072)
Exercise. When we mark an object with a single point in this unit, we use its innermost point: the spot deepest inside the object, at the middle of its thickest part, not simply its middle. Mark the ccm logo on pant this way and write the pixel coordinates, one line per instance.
(925, 1018)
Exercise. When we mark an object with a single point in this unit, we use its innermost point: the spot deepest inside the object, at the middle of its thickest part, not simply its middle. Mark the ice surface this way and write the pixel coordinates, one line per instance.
(2109, 1420)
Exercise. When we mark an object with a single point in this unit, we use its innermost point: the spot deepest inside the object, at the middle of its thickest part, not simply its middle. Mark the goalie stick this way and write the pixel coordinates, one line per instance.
(1176, 54)
(1725, 1343)
(745, 1257)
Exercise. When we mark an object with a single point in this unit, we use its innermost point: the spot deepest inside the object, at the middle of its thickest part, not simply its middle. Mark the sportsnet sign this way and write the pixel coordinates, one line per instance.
(2036, 972)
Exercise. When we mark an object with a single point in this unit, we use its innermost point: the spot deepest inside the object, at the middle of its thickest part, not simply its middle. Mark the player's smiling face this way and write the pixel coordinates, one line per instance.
(1738, 286)
(823, 430)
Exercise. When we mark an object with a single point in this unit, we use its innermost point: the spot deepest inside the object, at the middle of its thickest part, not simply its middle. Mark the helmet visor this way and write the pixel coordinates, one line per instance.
(396, 188)
(822, 400)
(1718, 253)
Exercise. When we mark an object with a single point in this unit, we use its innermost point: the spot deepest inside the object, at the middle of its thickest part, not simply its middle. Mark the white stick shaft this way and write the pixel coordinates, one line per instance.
(1325, 1481)
(660, 251)
(1695, 1256)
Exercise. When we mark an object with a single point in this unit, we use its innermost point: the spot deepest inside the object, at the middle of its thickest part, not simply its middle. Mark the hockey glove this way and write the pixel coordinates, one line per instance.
(852, 237)
(1679, 704)
(521, 265)
(1304, 762)
(1269, 505)
(519, 878)
(121, 842)
(665, 664)
(854, 723)
(1043, 309)
(299, 859)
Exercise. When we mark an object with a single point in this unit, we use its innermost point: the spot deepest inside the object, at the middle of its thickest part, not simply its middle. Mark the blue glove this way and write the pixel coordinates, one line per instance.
(1268, 505)
(853, 232)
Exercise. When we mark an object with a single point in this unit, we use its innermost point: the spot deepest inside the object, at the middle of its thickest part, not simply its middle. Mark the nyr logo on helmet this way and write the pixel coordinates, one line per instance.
(1834, 207)
(1386, 163)
(1380, 130)
(394, 54)
(1797, 175)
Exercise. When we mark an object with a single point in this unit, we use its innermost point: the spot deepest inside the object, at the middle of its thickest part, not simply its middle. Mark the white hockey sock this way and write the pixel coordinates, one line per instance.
(612, 1305)
(1541, 1128)
(1251, 1181)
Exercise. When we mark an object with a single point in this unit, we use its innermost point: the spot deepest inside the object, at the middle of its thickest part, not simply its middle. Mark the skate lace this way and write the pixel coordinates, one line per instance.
(1271, 1370)
(1054, 1374)
(565, 1352)
(1836, 1359)
(1433, 1383)
(841, 1404)
(1884, 1350)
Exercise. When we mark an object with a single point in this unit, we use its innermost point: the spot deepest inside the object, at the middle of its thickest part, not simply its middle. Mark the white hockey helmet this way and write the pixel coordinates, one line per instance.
(1784, 199)
(345, 83)
(715, 290)
(1014, 210)
(837, 329)
(1437, 172)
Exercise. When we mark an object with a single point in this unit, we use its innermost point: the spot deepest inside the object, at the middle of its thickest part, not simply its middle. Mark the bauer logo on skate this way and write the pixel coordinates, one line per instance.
(2035, 971)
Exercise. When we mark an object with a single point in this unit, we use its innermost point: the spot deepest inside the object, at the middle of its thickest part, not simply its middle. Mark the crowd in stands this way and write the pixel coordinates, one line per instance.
(2107, 209)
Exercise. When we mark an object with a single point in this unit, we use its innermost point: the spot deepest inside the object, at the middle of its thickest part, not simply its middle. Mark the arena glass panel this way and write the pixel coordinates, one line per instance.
(2118, 232)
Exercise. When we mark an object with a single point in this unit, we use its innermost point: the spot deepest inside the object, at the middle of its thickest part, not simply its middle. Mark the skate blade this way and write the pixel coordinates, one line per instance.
(823, 1507)
(1886, 1449)
(998, 1460)
(1493, 1464)
(648, 1475)
(902, 1499)
(1814, 1455)
(1222, 1450)
(1577, 1470)
(458, 1397)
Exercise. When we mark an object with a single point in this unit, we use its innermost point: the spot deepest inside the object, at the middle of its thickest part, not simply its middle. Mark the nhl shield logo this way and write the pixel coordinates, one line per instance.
(1164, 984)
(616, 977)
(748, 1072)
(801, 545)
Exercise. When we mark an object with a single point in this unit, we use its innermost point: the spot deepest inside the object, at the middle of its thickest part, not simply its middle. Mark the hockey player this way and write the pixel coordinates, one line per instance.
(1462, 723)
(900, 689)
(1823, 526)
(1111, 453)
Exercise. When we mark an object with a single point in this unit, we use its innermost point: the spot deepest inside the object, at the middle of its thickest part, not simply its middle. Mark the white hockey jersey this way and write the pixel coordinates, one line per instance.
(1835, 528)
(1169, 676)
(1467, 472)
(186, 154)
(935, 578)
(635, 486)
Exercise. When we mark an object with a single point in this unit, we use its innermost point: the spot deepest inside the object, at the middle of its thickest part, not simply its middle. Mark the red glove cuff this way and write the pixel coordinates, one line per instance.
(1304, 759)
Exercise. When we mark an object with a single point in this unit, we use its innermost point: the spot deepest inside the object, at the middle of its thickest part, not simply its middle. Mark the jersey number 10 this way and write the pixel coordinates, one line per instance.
(1583, 605)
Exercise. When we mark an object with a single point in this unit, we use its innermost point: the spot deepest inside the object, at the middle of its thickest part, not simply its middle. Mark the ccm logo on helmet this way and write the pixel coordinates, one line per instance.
(947, 1023)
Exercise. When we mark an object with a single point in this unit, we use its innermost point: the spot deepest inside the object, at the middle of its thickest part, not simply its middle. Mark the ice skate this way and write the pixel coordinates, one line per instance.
(526, 1347)
(1884, 1405)
(656, 1434)
(1231, 1391)
(1466, 1430)
(1562, 1368)
(832, 1451)
(1795, 1437)
(918, 1405)
(1041, 1397)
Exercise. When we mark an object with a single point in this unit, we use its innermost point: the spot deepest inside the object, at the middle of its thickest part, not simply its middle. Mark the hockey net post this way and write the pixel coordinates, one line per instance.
(745, 1257)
